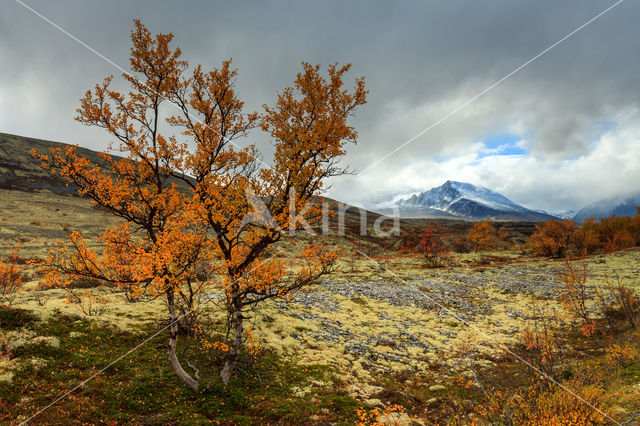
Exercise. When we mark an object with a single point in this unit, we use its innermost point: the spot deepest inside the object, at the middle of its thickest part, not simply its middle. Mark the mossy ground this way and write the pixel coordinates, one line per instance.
(141, 388)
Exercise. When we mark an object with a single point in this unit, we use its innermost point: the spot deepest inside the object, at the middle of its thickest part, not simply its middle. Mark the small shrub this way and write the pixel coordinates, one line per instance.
(431, 245)
(621, 353)
(540, 345)
(460, 245)
(575, 293)
(392, 415)
(12, 277)
(619, 302)
(39, 295)
(88, 304)
(40, 298)
(541, 405)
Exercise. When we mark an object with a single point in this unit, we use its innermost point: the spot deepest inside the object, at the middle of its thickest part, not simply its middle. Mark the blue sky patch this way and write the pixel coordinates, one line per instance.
(502, 144)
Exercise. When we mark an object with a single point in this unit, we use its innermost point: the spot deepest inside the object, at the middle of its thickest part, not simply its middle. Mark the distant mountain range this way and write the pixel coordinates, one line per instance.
(463, 200)
(620, 206)
(466, 201)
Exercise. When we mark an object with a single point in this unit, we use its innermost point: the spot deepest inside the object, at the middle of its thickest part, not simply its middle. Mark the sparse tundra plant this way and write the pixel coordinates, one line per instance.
(11, 277)
(183, 195)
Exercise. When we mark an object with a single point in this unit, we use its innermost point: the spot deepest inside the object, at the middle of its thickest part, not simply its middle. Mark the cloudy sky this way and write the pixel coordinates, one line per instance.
(559, 133)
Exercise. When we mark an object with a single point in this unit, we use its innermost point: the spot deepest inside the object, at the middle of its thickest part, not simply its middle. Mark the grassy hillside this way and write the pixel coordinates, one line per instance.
(19, 170)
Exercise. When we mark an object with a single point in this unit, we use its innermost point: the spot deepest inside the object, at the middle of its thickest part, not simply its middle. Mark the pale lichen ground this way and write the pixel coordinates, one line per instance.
(363, 336)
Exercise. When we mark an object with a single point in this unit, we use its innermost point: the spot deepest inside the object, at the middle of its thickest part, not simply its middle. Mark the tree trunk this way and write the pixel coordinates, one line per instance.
(173, 341)
(236, 347)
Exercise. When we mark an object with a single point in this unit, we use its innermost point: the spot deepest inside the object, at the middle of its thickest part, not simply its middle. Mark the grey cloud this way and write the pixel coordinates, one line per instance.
(421, 59)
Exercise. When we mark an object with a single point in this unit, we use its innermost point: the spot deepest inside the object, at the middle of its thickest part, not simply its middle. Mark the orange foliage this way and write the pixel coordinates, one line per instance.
(608, 234)
(392, 415)
(502, 234)
(185, 197)
(429, 243)
(541, 405)
(588, 239)
(11, 277)
(483, 236)
(619, 241)
(541, 343)
(554, 237)
(619, 353)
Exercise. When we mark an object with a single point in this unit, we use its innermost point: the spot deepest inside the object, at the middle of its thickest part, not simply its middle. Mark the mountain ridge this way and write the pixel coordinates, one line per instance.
(466, 201)
(622, 205)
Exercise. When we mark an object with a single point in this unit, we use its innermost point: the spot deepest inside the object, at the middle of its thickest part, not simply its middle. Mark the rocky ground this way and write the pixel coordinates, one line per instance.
(422, 322)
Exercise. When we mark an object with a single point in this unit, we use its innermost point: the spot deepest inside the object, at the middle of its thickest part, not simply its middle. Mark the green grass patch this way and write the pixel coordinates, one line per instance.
(142, 389)
(13, 318)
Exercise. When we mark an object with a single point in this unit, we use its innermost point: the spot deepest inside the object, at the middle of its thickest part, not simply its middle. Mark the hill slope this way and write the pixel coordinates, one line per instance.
(19, 170)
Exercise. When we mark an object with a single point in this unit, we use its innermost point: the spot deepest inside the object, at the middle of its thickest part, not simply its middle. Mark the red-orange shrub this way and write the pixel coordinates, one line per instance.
(430, 244)
(619, 241)
(554, 237)
(11, 277)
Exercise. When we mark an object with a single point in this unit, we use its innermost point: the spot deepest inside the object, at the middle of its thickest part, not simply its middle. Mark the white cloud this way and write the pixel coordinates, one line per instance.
(610, 168)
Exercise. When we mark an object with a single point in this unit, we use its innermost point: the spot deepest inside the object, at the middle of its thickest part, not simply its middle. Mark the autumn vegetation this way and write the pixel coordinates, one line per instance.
(590, 344)
(484, 236)
(185, 196)
(430, 243)
(558, 238)
(12, 277)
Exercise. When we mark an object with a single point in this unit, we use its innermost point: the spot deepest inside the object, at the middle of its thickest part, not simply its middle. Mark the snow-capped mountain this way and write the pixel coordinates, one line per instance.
(568, 214)
(464, 200)
(620, 206)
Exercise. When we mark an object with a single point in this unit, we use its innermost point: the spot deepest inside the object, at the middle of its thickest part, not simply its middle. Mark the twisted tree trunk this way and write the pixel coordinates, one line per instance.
(238, 329)
(173, 341)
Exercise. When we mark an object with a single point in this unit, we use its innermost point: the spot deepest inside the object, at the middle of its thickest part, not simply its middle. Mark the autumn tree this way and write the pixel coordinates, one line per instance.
(431, 245)
(587, 237)
(482, 236)
(12, 277)
(554, 237)
(615, 233)
(503, 236)
(608, 234)
(635, 226)
(575, 293)
(193, 196)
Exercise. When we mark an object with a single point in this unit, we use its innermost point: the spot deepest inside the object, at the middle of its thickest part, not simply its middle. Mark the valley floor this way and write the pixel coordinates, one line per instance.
(383, 330)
